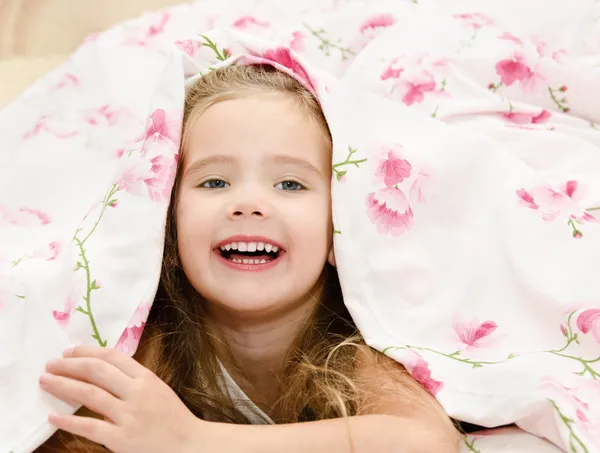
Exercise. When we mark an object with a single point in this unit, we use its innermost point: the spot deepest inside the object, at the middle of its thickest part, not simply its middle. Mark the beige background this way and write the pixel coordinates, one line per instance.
(36, 35)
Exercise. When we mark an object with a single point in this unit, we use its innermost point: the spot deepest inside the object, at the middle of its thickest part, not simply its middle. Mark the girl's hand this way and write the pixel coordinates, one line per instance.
(142, 413)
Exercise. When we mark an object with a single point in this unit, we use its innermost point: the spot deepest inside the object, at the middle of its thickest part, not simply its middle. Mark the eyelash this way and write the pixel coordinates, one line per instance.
(206, 185)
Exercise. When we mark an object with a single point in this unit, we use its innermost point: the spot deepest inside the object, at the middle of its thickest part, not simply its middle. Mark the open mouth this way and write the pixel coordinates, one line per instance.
(251, 253)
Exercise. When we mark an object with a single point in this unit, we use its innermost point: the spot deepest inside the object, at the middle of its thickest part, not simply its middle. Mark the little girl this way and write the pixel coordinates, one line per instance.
(248, 327)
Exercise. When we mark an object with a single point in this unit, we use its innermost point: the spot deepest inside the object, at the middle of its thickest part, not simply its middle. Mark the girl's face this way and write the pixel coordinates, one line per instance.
(254, 208)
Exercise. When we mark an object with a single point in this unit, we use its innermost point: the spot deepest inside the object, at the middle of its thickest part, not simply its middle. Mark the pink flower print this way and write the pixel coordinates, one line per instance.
(516, 69)
(146, 35)
(50, 252)
(473, 333)
(378, 21)
(105, 115)
(131, 180)
(25, 217)
(475, 20)
(161, 179)
(189, 47)
(245, 21)
(419, 370)
(564, 201)
(526, 199)
(416, 189)
(509, 37)
(282, 56)
(580, 401)
(63, 317)
(391, 71)
(130, 338)
(297, 42)
(412, 89)
(44, 124)
(390, 211)
(512, 70)
(161, 128)
(527, 118)
(544, 50)
(589, 321)
(68, 80)
(393, 169)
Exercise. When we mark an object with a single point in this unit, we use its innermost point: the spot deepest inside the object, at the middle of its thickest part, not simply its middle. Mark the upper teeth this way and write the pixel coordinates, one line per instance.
(250, 247)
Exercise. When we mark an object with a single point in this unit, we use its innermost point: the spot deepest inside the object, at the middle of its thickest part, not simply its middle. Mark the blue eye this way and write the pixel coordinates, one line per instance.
(214, 184)
(291, 186)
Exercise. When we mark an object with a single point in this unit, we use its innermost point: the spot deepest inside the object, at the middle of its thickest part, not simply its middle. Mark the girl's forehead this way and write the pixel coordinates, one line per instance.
(269, 128)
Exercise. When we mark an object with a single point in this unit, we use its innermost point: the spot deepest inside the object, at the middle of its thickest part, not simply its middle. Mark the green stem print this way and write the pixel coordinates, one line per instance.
(16, 262)
(221, 55)
(84, 264)
(468, 42)
(493, 87)
(576, 444)
(597, 208)
(454, 356)
(471, 445)
(326, 45)
(576, 233)
(341, 173)
(571, 337)
(337, 232)
(560, 103)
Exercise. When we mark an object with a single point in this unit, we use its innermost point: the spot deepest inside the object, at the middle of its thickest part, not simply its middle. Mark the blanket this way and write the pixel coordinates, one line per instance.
(466, 195)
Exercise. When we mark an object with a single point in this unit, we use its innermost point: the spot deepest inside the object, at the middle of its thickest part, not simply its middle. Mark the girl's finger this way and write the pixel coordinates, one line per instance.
(81, 393)
(98, 431)
(93, 371)
(113, 356)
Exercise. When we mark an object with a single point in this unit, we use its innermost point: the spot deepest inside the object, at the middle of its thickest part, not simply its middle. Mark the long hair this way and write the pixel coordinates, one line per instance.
(317, 378)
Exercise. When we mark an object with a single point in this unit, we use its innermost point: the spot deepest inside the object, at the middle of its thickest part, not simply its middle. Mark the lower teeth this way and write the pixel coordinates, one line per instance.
(249, 261)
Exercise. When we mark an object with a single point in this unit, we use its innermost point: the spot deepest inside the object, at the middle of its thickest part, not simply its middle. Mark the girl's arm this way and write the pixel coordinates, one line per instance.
(140, 413)
(398, 416)
(359, 434)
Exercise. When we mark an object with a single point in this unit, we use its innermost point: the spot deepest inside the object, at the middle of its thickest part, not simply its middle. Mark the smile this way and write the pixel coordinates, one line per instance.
(249, 253)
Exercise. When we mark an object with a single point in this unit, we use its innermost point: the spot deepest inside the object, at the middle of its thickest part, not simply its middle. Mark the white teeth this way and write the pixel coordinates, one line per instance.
(245, 261)
(250, 247)
(262, 261)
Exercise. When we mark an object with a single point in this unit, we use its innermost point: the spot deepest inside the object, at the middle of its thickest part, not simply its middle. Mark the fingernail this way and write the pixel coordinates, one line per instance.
(45, 378)
(68, 352)
(51, 363)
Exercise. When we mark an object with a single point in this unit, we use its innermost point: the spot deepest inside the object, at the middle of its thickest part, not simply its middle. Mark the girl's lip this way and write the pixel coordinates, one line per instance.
(248, 238)
(249, 267)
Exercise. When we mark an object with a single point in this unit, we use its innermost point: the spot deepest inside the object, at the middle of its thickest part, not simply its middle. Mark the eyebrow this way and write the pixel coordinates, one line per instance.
(280, 159)
(289, 160)
(202, 163)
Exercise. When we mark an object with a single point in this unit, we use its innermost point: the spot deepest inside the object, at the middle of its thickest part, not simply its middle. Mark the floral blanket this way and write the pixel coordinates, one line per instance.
(466, 195)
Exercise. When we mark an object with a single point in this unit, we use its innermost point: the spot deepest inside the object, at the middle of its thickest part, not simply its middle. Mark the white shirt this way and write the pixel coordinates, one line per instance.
(255, 414)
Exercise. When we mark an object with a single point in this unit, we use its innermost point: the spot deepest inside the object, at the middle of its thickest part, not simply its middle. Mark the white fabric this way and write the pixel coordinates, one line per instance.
(245, 405)
(466, 193)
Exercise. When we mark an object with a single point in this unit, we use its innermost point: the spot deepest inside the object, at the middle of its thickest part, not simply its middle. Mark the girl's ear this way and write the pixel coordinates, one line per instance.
(331, 257)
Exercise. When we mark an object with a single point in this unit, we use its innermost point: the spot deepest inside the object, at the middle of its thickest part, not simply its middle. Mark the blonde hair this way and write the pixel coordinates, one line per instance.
(318, 379)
